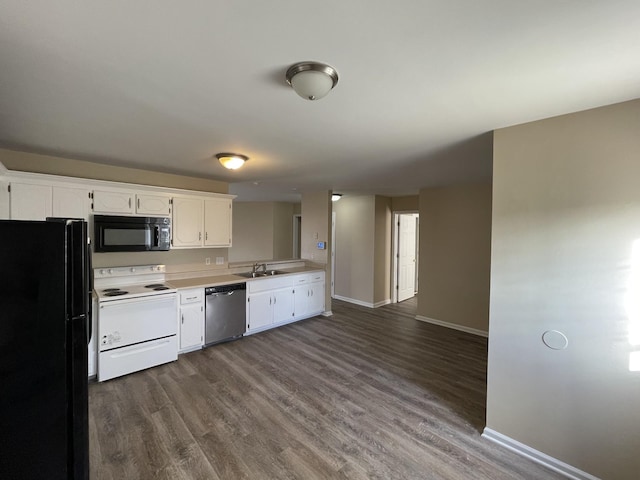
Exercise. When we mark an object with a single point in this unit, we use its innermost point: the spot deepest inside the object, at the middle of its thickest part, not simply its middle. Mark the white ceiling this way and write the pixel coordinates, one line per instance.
(166, 84)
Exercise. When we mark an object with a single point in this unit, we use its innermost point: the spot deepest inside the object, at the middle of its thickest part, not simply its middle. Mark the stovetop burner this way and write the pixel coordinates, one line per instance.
(110, 290)
(155, 285)
(162, 287)
(115, 292)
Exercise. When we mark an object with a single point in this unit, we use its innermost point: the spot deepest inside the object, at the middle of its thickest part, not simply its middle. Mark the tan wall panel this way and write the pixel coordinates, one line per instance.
(454, 261)
(566, 218)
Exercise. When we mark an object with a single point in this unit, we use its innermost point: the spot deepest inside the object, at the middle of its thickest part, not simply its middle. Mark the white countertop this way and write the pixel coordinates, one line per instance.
(226, 279)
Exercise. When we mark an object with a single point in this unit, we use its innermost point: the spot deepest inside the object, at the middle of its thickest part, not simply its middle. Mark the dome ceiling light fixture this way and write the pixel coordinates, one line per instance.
(232, 161)
(312, 80)
(335, 197)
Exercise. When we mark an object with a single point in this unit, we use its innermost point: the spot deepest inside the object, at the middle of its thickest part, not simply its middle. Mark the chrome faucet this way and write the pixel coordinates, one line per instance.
(257, 266)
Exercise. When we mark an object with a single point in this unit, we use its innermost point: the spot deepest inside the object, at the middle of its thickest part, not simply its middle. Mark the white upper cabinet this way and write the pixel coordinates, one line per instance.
(105, 201)
(199, 222)
(30, 201)
(186, 229)
(70, 202)
(217, 222)
(156, 205)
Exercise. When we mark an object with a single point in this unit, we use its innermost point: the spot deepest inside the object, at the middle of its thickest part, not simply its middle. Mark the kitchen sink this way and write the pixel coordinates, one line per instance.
(268, 273)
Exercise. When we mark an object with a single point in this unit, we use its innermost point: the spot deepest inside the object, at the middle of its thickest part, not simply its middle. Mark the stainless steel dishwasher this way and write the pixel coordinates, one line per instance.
(225, 313)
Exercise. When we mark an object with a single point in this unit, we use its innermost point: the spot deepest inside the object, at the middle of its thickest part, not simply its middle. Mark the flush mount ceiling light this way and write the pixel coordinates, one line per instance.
(312, 80)
(232, 161)
(335, 197)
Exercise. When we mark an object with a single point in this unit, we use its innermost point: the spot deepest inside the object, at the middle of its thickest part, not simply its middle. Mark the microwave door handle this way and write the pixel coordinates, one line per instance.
(156, 236)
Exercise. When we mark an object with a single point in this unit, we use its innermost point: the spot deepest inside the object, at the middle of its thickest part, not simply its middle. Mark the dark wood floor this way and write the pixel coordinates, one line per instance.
(364, 394)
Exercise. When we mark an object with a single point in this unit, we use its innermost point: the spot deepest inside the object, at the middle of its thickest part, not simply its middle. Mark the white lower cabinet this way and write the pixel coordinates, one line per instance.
(272, 302)
(191, 319)
(308, 294)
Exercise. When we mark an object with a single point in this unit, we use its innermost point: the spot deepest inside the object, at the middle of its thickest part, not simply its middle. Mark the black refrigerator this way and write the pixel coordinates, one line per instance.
(45, 319)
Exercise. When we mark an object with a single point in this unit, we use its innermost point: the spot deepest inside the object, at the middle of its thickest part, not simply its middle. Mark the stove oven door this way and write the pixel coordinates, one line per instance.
(136, 333)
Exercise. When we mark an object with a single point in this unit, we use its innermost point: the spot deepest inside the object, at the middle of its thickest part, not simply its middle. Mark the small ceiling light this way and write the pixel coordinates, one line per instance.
(312, 80)
(232, 161)
(335, 197)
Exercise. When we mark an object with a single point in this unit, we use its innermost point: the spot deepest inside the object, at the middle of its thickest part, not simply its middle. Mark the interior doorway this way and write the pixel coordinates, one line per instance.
(405, 255)
(297, 236)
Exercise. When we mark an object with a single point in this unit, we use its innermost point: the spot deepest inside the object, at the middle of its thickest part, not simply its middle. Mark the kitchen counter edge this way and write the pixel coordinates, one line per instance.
(218, 280)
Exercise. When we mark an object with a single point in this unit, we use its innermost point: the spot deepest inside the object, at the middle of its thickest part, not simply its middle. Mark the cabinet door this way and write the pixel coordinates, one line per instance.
(316, 298)
(156, 205)
(112, 202)
(282, 305)
(191, 325)
(30, 202)
(70, 202)
(301, 300)
(260, 310)
(217, 222)
(186, 230)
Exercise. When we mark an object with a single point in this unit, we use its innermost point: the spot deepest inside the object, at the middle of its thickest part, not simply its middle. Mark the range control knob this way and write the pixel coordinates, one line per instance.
(110, 271)
(133, 269)
(102, 272)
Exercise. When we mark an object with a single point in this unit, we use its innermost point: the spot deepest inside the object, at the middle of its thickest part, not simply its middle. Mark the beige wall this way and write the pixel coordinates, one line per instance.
(405, 204)
(262, 231)
(566, 216)
(454, 261)
(363, 249)
(252, 231)
(382, 251)
(355, 248)
(316, 227)
(29, 162)
(283, 230)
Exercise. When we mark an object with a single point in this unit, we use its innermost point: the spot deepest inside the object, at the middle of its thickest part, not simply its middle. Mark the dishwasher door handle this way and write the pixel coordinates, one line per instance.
(222, 294)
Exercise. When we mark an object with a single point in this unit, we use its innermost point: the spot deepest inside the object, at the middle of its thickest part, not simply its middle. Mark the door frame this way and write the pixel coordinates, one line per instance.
(395, 235)
(297, 223)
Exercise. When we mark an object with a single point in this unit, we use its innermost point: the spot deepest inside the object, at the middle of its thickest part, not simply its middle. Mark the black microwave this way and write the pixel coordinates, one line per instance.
(131, 234)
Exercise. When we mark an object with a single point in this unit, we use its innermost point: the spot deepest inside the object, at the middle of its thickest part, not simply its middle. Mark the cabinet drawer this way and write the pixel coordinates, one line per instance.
(263, 284)
(194, 295)
(301, 279)
(316, 277)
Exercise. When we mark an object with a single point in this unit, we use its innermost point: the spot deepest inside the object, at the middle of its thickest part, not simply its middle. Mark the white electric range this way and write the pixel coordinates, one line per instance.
(137, 319)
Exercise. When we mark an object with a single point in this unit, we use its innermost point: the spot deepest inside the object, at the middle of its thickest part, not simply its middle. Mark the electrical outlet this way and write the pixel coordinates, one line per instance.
(207, 261)
(219, 260)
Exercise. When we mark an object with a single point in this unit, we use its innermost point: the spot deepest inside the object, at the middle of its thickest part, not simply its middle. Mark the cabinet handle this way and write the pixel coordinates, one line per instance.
(129, 202)
(199, 235)
(206, 235)
(270, 300)
(275, 300)
(182, 319)
(138, 204)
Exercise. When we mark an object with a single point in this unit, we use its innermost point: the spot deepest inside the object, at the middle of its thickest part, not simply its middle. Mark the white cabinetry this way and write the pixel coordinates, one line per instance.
(30, 201)
(217, 222)
(187, 222)
(199, 222)
(105, 201)
(269, 303)
(39, 201)
(191, 319)
(156, 205)
(308, 294)
(70, 202)
(5, 212)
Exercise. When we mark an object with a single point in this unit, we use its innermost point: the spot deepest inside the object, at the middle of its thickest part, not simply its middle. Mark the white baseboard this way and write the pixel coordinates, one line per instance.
(454, 326)
(361, 303)
(353, 300)
(538, 457)
(382, 303)
(327, 313)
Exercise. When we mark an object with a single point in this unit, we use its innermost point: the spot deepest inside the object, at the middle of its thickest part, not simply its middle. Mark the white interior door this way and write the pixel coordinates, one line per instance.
(406, 257)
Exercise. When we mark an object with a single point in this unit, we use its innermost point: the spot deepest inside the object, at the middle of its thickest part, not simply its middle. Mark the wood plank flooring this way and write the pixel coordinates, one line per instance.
(364, 394)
